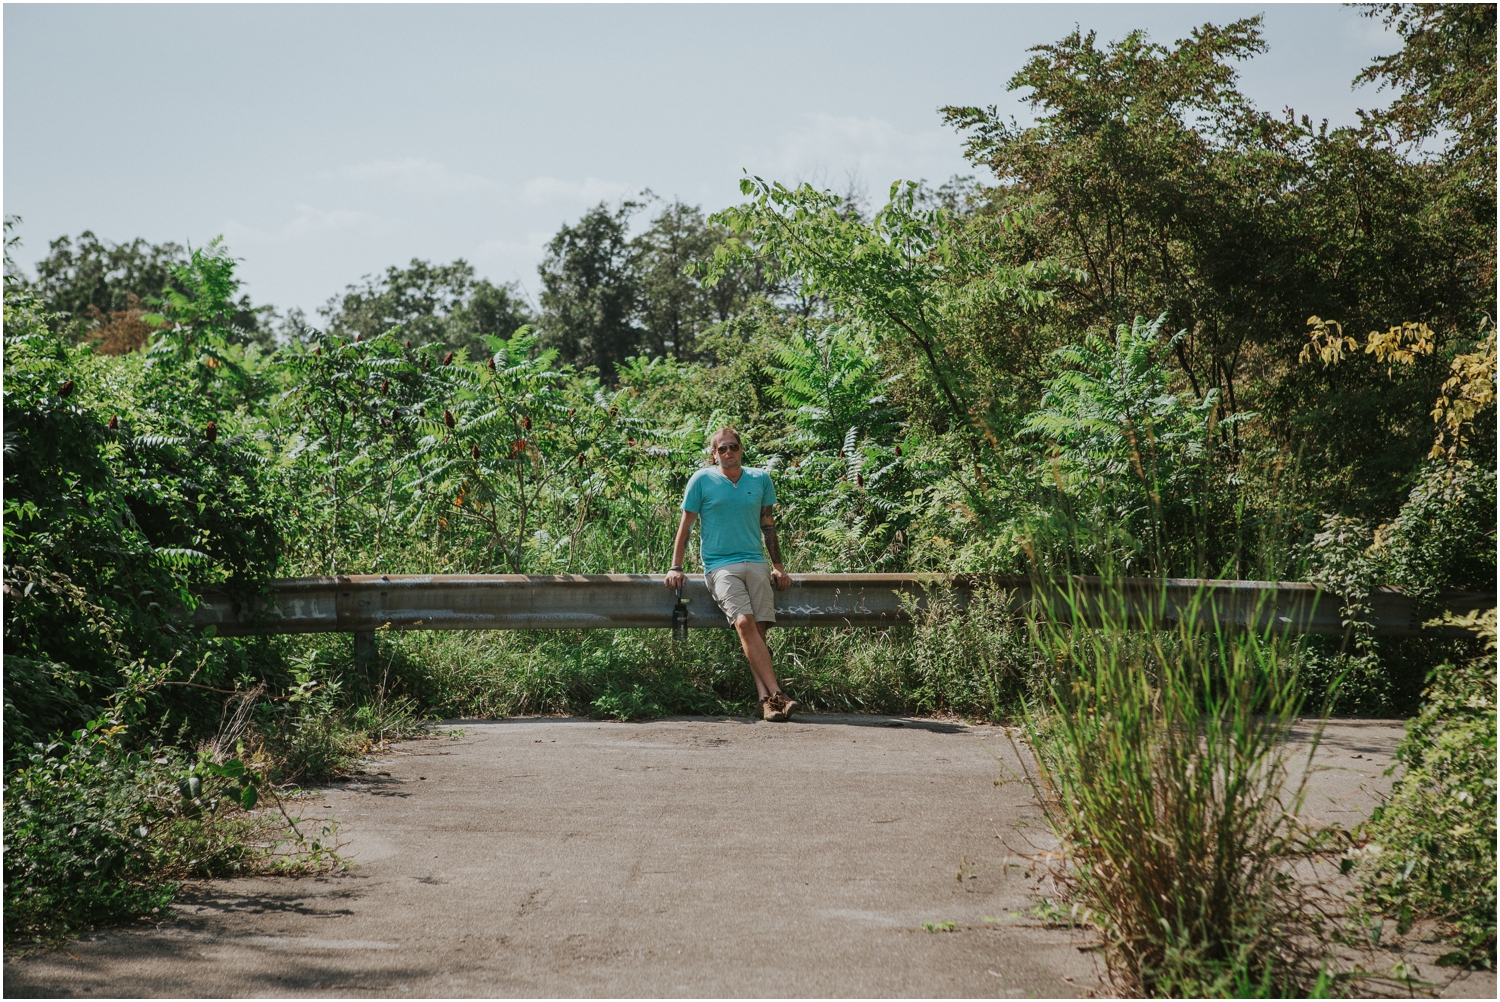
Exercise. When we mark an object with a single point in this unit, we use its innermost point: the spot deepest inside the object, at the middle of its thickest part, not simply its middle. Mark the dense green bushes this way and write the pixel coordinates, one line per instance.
(120, 504)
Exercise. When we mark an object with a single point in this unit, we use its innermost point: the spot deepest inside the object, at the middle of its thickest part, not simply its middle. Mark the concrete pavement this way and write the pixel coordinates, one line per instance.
(684, 857)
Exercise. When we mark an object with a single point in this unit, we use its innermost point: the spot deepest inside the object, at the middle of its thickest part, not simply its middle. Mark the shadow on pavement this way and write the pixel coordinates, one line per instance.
(839, 719)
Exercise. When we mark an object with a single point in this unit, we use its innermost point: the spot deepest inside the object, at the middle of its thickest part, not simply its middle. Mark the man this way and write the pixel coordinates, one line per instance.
(731, 499)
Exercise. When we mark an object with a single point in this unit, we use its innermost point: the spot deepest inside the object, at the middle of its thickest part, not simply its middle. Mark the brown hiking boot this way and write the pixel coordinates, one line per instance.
(788, 704)
(777, 708)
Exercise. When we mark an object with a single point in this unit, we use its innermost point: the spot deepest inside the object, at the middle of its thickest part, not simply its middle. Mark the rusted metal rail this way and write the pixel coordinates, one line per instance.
(361, 604)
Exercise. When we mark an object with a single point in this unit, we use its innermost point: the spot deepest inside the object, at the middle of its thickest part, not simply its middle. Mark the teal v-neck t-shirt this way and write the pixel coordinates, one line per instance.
(729, 514)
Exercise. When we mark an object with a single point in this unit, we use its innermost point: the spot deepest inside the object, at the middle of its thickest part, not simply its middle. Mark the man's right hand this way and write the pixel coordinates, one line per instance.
(675, 580)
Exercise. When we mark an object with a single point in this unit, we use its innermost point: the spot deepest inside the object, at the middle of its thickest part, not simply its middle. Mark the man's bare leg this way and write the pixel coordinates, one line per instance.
(761, 628)
(753, 642)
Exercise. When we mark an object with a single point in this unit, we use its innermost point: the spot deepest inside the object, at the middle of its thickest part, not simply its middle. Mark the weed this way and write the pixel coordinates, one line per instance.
(96, 833)
(1055, 916)
(320, 729)
(1162, 765)
(973, 660)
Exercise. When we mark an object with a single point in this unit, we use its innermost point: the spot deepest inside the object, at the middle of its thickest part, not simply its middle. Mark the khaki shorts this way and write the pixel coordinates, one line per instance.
(744, 589)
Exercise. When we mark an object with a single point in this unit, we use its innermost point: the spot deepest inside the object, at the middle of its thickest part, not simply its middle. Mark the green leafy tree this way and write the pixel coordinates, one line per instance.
(353, 415)
(432, 304)
(1163, 187)
(195, 371)
(676, 307)
(499, 457)
(86, 274)
(849, 491)
(590, 291)
(1445, 72)
(1140, 158)
(911, 273)
(1444, 535)
(607, 296)
(95, 288)
(1132, 454)
(490, 311)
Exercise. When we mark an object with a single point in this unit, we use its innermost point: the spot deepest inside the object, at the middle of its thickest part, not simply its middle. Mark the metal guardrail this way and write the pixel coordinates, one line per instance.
(361, 604)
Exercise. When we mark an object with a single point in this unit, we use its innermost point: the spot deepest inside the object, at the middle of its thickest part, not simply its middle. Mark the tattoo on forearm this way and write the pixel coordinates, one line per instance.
(772, 543)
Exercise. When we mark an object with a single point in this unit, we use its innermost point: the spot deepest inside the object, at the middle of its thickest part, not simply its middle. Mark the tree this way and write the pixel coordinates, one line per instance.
(1445, 71)
(607, 296)
(432, 304)
(676, 306)
(95, 274)
(1165, 189)
(590, 291)
(491, 311)
(1133, 161)
(101, 290)
(915, 273)
(1130, 453)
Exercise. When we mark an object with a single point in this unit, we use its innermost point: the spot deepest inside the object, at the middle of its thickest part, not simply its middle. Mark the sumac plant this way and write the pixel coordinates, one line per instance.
(402, 458)
(507, 443)
(356, 414)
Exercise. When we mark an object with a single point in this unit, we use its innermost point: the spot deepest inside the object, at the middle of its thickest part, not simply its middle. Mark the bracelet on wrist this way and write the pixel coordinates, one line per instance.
(671, 569)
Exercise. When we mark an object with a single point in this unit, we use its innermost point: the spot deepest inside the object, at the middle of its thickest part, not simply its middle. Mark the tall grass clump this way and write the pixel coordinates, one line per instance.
(1163, 767)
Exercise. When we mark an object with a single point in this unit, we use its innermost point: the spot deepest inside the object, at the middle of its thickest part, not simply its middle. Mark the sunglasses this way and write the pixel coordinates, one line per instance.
(729, 447)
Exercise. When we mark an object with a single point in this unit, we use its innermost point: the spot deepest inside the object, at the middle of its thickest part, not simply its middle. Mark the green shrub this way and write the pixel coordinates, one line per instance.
(97, 833)
(1432, 843)
(117, 509)
(625, 674)
(975, 660)
(1442, 537)
(328, 716)
(1128, 455)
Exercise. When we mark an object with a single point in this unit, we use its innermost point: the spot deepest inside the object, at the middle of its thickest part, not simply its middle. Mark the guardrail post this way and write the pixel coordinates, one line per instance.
(364, 655)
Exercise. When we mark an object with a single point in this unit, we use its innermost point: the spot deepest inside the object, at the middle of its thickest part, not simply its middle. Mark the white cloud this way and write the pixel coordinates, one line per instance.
(416, 176)
(554, 191)
(311, 221)
(307, 222)
(844, 151)
(533, 242)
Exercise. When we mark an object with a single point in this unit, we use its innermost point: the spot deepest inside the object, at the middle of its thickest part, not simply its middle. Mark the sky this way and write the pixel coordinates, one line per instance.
(327, 142)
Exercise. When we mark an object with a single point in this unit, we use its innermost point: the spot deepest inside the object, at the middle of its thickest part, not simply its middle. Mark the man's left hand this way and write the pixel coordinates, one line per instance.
(781, 579)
